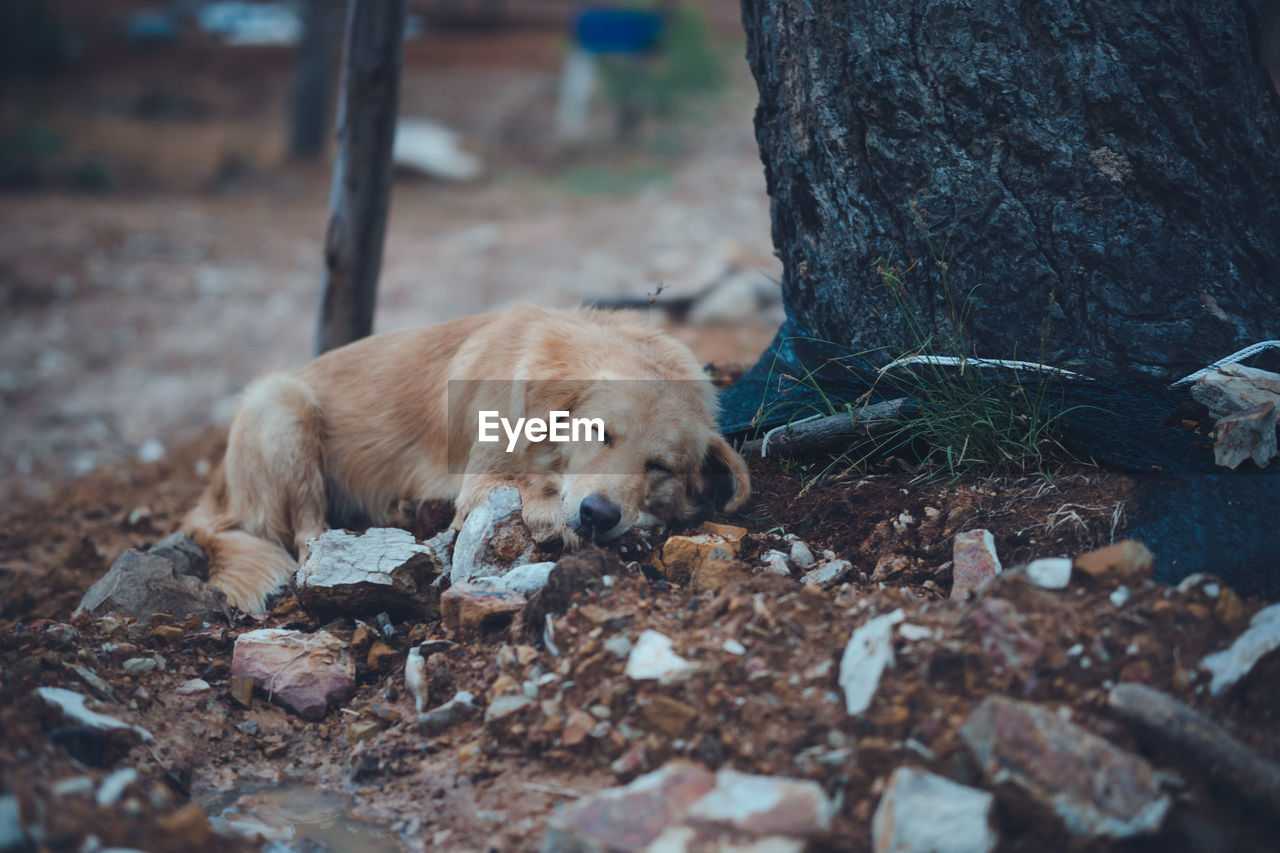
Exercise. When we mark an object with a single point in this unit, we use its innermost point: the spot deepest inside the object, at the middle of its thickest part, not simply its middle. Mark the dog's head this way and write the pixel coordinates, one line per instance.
(650, 454)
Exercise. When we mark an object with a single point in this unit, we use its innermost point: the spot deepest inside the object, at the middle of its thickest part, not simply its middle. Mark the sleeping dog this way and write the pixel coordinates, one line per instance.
(448, 412)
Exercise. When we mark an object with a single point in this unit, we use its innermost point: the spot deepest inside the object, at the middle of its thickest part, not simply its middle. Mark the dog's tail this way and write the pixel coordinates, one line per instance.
(247, 568)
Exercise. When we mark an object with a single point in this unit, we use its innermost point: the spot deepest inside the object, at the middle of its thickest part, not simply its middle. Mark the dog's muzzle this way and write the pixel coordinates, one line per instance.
(597, 515)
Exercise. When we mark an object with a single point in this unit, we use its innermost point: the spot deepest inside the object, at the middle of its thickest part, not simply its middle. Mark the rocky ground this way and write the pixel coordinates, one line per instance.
(850, 677)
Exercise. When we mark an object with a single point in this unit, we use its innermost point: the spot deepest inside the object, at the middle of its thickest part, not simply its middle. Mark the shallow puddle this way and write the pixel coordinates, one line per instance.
(296, 818)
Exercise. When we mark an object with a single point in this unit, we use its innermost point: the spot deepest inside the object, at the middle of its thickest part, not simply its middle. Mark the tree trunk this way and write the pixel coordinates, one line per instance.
(313, 81)
(361, 192)
(1111, 168)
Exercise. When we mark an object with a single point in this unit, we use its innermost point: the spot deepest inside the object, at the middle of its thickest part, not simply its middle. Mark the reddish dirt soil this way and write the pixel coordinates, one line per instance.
(773, 710)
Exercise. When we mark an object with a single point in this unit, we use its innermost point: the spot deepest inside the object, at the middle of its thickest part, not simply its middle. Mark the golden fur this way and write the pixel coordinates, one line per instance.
(363, 426)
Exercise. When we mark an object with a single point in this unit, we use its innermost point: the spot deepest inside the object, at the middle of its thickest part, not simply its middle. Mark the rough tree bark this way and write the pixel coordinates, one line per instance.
(361, 192)
(1113, 167)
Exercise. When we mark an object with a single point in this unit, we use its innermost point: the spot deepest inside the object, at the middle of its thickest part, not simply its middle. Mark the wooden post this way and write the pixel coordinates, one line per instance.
(361, 191)
(313, 80)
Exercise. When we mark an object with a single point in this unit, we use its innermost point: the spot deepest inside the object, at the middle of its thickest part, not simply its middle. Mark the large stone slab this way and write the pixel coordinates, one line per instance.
(308, 674)
(1097, 789)
(380, 570)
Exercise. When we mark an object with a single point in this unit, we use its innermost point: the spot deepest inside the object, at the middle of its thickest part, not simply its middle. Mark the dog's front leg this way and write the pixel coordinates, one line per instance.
(544, 517)
(475, 491)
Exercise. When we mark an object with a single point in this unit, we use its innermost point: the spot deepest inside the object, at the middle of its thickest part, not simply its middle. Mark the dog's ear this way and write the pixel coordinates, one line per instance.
(550, 395)
(724, 476)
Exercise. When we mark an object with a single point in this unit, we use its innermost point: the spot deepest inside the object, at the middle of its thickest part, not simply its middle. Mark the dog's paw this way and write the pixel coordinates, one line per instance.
(634, 545)
(550, 538)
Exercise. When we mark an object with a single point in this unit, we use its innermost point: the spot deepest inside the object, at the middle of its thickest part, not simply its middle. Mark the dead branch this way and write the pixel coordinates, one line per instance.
(1204, 742)
(831, 431)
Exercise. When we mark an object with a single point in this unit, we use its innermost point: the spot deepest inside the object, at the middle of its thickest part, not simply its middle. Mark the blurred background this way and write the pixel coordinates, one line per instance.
(164, 180)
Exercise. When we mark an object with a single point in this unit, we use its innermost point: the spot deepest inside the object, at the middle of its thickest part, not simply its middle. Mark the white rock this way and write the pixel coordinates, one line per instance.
(193, 686)
(1249, 434)
(1234, 387)
(526, 579)
(801, 555)
(1050, 572)
(72, 786)
(733, 647)
(911, 633)
(415, 677)
(433, 150)
(775, 562)
(1120, 596)
(827, 574)
(504, 706)
(151, 451)
(869, 651)
(498, 518)
(921, 812)
(1190, 582)
(12, 835)
(689, 839)
(653, 658)
(619, 645)
(72, 706)
(1233, 663)
(760, 805)
(112, 787)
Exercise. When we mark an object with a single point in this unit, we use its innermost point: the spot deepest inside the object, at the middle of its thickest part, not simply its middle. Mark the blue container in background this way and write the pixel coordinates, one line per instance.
(606, 30)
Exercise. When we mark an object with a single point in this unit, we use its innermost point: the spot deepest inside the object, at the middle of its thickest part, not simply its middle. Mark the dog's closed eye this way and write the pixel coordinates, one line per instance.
(652, 467)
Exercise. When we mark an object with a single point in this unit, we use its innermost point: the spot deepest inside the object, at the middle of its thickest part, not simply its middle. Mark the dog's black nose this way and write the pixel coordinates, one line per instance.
(599, 513)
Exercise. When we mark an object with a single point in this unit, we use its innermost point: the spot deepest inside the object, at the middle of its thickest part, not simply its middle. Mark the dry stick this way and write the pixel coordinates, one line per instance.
(831, 431)
(360, 195)
(1174, 724)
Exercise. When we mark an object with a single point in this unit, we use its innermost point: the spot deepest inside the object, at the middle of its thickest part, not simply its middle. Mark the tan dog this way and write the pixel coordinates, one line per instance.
(344, 438)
